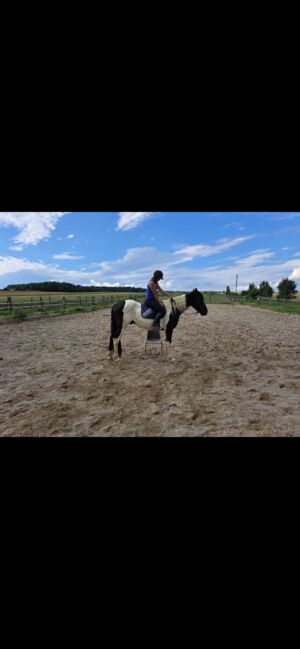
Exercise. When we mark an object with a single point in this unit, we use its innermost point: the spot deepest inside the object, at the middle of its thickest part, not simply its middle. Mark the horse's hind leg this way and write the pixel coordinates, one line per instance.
(115, 347)
(110, 353)
(118, 347)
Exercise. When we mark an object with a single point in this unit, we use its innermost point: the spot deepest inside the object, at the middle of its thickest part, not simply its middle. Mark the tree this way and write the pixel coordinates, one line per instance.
(287, 289)
(265, 290)
(253, 291)
(227, 292)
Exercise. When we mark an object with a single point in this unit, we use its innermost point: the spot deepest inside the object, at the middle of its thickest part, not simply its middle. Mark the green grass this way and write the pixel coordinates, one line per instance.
(273, 305)
(19, 314)
(48, 308)
(106, 300)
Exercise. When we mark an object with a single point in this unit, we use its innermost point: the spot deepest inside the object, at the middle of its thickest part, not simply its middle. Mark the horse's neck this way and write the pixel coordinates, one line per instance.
(180, 302)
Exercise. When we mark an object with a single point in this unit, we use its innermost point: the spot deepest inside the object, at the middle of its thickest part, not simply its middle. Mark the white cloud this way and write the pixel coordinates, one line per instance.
(70, 236)
(238, 226)
(130, 220)
(66, 255)
(295, 274)
(255, 258)
(32, 226)
(201, 250)
(15, 265)
(108, 284)
(137, 265)
(284, 217)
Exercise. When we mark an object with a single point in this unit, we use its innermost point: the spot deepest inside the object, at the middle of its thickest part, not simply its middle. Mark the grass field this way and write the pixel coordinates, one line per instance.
(27, 296)
(274, 305)
(31, 304)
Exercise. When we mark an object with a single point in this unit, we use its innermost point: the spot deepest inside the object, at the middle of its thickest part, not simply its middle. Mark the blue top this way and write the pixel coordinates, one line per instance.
(149, 294)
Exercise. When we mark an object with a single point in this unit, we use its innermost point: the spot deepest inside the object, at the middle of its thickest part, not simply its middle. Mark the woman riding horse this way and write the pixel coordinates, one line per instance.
(152, 299)
(126, 312)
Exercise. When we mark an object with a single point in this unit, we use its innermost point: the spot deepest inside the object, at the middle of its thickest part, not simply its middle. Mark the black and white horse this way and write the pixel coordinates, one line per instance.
(128, 312)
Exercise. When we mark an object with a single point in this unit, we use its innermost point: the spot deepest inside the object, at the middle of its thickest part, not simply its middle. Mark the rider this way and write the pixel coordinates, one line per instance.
(152, 299)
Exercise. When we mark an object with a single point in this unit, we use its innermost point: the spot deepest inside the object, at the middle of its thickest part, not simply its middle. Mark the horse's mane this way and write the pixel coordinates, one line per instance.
(180, 303)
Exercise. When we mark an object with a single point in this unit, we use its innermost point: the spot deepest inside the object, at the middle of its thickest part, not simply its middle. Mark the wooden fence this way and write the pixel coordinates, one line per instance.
(46, 303)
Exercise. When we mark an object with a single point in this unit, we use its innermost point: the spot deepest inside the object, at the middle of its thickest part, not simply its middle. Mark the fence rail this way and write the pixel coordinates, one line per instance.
(46, 303)
(16, 302)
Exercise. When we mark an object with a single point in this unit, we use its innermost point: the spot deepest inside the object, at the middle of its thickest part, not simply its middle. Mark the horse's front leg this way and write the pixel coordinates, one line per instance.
(169, 333)
(117, 348)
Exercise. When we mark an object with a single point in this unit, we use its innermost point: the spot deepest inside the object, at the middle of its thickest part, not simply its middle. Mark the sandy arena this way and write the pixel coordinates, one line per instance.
(237, 373)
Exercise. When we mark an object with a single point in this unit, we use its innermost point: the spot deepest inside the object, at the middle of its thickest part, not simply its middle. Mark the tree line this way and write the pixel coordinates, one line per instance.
(66, 287)
(287, 290)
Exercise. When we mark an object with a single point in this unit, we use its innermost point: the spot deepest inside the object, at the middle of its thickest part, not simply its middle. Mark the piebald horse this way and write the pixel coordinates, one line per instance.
(128, 312)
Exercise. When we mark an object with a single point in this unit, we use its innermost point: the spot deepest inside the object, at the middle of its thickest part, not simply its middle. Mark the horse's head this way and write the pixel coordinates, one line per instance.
(196, 300)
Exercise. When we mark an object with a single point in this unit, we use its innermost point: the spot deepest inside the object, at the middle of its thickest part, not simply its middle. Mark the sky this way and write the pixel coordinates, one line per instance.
(204, 250)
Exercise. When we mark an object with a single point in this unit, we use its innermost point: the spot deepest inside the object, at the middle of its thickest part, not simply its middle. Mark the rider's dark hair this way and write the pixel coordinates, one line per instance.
(158, 274)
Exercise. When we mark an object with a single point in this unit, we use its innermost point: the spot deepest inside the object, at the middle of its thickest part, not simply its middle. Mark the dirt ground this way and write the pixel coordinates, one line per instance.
(236, 373)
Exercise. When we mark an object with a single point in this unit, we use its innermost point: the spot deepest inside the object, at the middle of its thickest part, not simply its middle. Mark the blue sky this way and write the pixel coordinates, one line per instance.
(194, 249)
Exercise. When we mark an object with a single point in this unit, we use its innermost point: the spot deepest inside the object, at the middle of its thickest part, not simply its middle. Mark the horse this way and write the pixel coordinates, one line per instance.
(128, 312)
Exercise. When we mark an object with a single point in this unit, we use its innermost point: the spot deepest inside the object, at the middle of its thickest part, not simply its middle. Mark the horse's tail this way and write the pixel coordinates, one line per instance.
(116, 322)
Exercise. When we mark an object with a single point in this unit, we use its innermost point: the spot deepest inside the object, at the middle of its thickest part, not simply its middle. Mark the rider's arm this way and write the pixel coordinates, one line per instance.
(163, 292)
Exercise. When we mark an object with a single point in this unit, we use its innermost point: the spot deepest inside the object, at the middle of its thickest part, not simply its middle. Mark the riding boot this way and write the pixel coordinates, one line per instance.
(156, 321)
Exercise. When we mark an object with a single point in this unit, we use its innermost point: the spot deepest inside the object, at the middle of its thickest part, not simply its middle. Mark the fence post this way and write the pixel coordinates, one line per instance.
(41, 301)
(9, 303)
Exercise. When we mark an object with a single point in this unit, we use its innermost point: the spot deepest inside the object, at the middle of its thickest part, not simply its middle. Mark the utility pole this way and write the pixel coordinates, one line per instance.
(236, 283)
